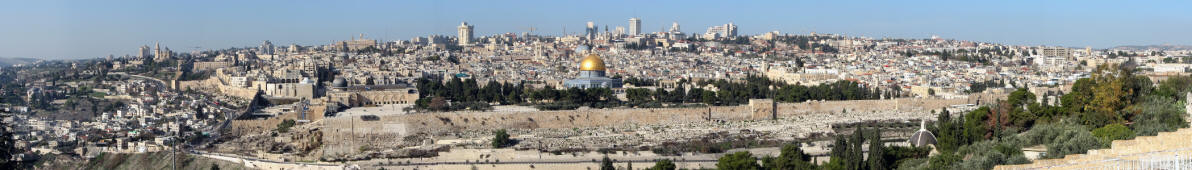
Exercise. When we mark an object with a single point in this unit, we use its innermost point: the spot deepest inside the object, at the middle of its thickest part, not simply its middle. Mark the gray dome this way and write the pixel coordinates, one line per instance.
(339, 82)
(923, 137)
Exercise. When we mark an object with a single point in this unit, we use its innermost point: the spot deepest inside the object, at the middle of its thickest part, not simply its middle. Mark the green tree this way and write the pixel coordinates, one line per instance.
(607, 164)
(876, 151)
(1157, 114)
(501, 139)
(709, 97)
(7, 146)
(1174, 87)
(835, 164)
(740, 161)
(638, 95)
(664, 164)
(856, 157)
(897, 155)
(1113, 88)
(1020, 98)
(840, 150)
(949, 133)
(790, 157)
(975, 128)
(1079, 97)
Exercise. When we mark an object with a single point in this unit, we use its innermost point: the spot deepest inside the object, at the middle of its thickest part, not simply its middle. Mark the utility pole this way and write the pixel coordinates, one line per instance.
(773, 102)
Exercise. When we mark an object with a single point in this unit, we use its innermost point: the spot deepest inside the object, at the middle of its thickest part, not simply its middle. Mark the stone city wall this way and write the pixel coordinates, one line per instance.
(901, 104)
(211, 65)
(259, 125)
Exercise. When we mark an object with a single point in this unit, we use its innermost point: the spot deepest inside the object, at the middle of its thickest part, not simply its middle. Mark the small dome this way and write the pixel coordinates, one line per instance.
(591, 63)
(339, 82)
(306, 80)
(923, 137)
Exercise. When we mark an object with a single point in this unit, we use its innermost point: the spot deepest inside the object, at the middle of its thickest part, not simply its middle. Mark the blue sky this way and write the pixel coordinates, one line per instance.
(86, 29)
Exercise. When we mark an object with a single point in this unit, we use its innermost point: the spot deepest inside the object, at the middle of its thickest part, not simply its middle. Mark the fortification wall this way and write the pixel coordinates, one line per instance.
(901, 104)
(257, 125)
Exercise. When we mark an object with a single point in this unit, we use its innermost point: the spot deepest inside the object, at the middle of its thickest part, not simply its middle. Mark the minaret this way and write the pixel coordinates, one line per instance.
(765, 65)
(922, 125)
(158, 53)
(156, 49)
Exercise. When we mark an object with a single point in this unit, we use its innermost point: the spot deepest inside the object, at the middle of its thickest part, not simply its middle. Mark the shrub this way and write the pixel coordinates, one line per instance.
(1157, 114)
(1112, 132)
(1072, 142)
(285, 125)
(986, 154)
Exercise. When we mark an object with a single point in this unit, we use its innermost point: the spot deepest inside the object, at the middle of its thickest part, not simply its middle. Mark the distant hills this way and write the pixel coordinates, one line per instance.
(5, 62)
(1153, 47)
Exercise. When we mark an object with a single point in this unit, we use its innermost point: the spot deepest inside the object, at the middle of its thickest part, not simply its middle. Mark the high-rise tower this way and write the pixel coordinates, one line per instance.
(266, 48)
(730, 30)
(674, 27)
(635, 26)
(144, 52)
(590, 31)
(465, 34)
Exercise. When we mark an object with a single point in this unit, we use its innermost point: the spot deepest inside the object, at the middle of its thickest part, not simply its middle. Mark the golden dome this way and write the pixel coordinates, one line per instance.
(591, 63)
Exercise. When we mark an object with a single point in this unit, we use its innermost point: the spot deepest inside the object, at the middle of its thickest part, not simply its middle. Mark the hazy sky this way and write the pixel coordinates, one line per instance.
(88, 28)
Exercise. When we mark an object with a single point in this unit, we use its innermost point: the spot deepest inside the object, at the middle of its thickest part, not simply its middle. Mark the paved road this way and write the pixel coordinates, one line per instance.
(538, 162)
(161, 84)
(266, 164)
